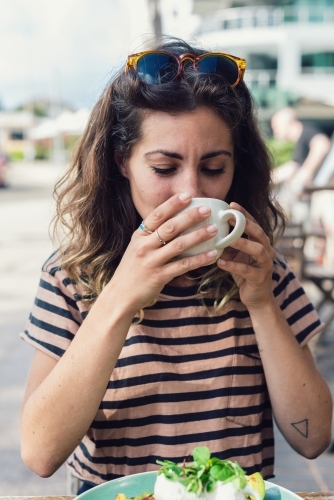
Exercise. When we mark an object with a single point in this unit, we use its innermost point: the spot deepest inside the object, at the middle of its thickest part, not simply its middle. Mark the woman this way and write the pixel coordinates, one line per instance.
(172, 352)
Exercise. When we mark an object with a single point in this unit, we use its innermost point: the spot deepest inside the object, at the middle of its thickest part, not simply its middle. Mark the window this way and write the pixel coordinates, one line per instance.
(261, 61)
(318, 63)
(17, 135)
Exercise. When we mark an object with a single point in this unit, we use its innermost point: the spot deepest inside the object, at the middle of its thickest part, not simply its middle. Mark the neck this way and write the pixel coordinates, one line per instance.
(189, 279)
(182, 281)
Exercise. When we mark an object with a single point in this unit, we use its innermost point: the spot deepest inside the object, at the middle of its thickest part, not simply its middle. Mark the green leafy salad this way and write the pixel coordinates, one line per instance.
(203, 472)
(206, 478)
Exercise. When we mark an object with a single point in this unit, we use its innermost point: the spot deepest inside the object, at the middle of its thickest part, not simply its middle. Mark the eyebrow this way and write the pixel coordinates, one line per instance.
(178, 156)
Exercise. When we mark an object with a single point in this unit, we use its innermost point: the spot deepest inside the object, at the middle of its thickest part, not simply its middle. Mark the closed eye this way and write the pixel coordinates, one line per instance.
(163, 171)
(213, 171)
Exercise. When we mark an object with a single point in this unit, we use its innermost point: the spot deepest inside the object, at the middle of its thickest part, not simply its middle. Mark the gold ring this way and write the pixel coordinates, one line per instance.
(160, 239)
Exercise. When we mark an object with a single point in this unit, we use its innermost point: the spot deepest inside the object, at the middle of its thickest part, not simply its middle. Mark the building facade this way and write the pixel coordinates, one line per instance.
(289, 46)
(14, 133)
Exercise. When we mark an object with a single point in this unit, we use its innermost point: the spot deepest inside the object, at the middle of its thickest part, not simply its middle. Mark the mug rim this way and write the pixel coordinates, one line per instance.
(208, 198)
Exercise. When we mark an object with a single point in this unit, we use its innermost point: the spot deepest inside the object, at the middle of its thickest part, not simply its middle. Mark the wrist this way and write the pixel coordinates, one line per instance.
(111, 308)
(267, 306)
(268, 322)
(114, 298)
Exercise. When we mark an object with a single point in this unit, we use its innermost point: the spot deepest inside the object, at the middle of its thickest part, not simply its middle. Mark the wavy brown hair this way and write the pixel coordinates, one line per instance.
(94, 204)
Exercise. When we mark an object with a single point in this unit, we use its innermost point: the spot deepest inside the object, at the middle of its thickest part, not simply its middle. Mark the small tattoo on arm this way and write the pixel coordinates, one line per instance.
(301, 427)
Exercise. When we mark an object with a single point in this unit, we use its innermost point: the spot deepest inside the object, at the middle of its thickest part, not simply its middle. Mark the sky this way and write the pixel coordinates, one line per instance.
(68, 49)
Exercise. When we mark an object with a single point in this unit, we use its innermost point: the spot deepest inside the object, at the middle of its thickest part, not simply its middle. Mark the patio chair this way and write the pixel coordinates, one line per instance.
(292, 245)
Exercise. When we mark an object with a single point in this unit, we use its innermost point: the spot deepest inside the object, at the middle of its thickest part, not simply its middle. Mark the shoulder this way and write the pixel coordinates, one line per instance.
(53, 263)
(294, 303)
(280, 263)
(53, 267)
(282, 274)
(56, 278)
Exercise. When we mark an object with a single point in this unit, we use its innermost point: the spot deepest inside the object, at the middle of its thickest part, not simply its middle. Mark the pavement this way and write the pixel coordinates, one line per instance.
(25, 212)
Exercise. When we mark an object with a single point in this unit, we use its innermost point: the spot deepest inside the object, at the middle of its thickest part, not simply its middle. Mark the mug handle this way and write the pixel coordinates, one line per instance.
(226, 215)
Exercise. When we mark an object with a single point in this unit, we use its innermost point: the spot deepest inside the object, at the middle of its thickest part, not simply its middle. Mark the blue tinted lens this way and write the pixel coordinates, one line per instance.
(219, 65)
(157, 68)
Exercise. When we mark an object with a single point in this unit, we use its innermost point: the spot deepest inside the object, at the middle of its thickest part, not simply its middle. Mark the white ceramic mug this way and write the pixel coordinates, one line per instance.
(220, 215)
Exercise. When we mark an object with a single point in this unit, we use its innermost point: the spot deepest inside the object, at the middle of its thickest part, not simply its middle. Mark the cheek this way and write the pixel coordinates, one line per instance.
(147, 191)
(225, 184)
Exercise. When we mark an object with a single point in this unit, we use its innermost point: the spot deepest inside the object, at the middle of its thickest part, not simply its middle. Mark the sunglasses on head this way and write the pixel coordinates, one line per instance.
(156, 67)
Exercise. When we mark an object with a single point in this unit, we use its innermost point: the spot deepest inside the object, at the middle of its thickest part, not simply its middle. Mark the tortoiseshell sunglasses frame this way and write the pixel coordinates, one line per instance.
(133, 59)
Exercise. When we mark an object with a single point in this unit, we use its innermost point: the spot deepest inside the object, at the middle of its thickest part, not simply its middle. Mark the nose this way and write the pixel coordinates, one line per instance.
(190, 182)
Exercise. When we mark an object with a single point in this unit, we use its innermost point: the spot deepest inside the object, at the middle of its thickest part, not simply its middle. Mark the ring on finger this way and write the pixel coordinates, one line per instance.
(143, 227)
(159, 238)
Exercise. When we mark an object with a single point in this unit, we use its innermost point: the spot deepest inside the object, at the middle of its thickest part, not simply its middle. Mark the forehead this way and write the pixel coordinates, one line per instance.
(202, 125)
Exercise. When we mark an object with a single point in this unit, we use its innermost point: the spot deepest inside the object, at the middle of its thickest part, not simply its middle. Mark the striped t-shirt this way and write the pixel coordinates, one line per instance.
(187, 375)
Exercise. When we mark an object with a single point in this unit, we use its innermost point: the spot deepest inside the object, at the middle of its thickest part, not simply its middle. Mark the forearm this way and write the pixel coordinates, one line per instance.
(300, 398)
(59, 412)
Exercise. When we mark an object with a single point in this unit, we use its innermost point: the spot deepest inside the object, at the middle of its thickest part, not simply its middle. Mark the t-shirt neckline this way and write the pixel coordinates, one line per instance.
(179, 291)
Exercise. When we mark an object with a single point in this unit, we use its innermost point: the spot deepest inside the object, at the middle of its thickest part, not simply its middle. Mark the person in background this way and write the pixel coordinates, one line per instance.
(311, 148)
(140, 354)
(313, 151)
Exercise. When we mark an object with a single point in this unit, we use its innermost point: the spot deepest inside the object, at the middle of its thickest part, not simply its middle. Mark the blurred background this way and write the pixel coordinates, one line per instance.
(56, 57)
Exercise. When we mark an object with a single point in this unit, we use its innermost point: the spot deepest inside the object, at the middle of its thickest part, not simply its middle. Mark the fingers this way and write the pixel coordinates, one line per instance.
(194, 217)
(172, 250)
(252, 229)
(186, 264)
(250, 258)
(253, 261)
(241, 209)
(167, 226)
(165, 261)
(183, 243)
(167, 210)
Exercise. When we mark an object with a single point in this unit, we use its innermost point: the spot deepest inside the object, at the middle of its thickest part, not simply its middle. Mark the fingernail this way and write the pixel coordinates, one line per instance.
(211, 254)
(204, 210)
(212, 228)
(222, 262)
(184, 196)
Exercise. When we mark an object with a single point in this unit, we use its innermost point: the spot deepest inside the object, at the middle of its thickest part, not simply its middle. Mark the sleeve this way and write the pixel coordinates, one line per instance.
(294, 303)
(55, 317)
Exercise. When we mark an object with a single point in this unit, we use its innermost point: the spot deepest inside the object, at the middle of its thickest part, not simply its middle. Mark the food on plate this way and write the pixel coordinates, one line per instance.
(204, 478)
(146, 495)
(257, 483)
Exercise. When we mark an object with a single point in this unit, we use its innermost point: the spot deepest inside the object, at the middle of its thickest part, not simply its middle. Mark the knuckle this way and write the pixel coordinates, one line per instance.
(140, 252)
(178, 244)
(259, 232)
(139, 246)
(262, 251)
(185, 263)
(201, 259)
(159, 274)
(169, 227)
(247, 270)
(191, 215)
(156, 215)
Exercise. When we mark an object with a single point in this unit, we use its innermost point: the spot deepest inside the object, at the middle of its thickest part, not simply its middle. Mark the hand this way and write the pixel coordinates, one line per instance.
(250, 261)
(148, 265)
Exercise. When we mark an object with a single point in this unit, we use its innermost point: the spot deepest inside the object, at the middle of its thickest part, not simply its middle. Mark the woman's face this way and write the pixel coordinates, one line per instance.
(192, 152)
